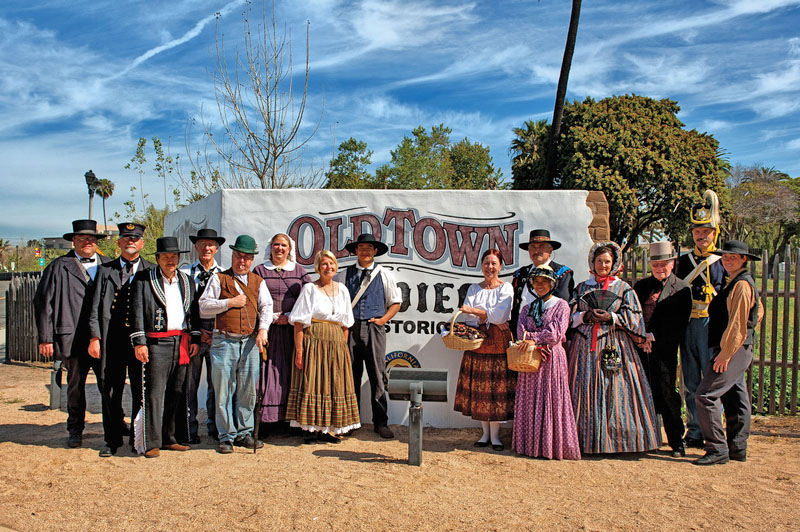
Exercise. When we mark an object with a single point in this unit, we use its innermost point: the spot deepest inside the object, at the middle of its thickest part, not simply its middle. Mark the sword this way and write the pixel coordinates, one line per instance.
(262, 391)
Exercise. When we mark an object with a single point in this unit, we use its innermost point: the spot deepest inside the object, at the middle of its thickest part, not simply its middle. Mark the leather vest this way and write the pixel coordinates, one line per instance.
(718, 312)
(238, 320)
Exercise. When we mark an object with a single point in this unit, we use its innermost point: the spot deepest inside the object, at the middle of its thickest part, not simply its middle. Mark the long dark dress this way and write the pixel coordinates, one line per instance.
(276, 372)
(614, 410)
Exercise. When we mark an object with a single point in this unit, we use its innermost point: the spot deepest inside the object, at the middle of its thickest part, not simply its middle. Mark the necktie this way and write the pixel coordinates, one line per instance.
(365, 274)
(127, 271)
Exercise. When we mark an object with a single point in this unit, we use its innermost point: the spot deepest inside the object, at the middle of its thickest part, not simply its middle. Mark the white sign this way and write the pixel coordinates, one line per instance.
(435, 241)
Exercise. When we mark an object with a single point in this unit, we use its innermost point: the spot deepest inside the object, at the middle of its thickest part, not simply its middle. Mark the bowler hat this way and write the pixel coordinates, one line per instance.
(367, 238)
(540, 235)
(207, 234)
(84, 227)
(244, 244)
(736, 247)
(168, 244)
(130, 229)
(662, 251)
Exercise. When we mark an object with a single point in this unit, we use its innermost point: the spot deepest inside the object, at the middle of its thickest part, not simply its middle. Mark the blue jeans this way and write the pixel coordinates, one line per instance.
(234, 371)
(695, 359)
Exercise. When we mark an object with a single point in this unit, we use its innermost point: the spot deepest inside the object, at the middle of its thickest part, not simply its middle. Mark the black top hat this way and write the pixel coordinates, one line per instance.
(168, 244)
(736, 247)
(207, 234)
(540, 235)
(84, 227)
(130, 229)
(367, 238)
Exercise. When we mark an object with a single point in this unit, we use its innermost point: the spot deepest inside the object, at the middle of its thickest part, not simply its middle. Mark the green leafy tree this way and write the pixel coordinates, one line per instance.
(420, 161)
(529, 155)
(636, 151)
(349, 168)
(764, 207)
(430, 161)
(472, 167)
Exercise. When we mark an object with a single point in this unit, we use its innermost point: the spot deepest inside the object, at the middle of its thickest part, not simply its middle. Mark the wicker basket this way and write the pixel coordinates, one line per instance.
(451, 341)
(523, 357)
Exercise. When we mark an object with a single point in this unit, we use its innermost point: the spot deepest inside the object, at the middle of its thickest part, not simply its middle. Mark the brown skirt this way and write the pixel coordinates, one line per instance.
(322, 396)
(486, 386)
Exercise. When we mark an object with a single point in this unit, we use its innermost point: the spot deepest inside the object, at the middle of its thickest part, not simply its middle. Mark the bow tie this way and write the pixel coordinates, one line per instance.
(365, 273)
(85, 260)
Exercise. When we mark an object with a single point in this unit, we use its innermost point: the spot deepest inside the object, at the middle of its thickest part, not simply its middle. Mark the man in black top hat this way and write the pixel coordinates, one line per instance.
(110, 329)
(62, 303)
(206, 244)
(376, 299)
(165, 339)
(540, 248)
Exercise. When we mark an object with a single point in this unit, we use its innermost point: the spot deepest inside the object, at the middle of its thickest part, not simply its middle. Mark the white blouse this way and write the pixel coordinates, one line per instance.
(316, 304)
(496, 302)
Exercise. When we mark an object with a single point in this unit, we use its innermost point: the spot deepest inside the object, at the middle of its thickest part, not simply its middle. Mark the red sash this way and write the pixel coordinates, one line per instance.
(184, 349)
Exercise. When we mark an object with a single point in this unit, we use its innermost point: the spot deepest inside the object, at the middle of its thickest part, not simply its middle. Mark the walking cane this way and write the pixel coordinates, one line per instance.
(262, 391)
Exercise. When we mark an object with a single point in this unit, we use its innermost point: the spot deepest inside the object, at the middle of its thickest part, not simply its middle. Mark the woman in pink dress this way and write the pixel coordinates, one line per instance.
(544, 424)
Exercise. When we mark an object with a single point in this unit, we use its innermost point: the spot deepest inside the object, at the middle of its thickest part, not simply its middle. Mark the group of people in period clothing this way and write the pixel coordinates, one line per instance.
(287, 351)
(267, 335)
(601, 390)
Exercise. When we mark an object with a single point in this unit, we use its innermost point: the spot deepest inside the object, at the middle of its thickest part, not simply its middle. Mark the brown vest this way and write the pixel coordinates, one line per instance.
(238, 320)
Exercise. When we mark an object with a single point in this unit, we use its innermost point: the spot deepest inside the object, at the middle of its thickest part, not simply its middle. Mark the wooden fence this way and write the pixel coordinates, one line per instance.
(773, 377)
(21, 339)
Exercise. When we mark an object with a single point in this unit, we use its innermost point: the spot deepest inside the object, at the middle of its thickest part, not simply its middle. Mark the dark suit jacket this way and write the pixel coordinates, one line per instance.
(150, 309)
(61, 306)
(107, 283)
(671, 315)
(563, 290)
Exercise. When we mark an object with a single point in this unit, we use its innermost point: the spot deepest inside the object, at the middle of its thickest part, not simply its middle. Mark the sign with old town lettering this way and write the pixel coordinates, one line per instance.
(435, 241)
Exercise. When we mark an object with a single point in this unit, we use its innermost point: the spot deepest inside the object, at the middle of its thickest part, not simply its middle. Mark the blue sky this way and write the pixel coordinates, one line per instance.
(80, 82)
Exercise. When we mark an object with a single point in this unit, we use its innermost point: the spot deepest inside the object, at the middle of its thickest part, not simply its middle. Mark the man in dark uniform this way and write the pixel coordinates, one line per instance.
(110, 329)
(165, 340)
(704, 272)
(62, 303)
(376, 299)
(540, 248)
(666, 305)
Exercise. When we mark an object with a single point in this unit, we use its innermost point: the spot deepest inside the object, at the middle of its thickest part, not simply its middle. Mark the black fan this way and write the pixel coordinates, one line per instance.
(600, 299)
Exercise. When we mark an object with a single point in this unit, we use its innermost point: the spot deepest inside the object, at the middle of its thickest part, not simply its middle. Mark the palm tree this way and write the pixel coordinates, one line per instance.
(529, 151)
(561, 93)
(105, 188)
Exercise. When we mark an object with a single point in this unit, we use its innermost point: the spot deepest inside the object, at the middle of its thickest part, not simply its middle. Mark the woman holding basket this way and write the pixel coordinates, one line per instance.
(544, 424)
(610, 394)
(485, 389)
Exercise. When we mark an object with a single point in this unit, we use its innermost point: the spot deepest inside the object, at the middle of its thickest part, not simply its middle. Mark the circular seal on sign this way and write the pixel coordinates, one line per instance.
(402, 359)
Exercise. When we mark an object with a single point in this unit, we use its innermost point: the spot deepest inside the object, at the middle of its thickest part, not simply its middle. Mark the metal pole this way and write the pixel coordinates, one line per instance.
(414, 435)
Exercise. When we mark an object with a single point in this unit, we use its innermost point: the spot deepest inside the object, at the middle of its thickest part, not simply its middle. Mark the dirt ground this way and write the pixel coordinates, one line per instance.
(364, 483)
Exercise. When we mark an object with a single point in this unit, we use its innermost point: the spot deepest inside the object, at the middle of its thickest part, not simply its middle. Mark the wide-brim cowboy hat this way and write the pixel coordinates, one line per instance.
(736, 247)
(207, 234)
(367, 238)
(84, 227)
(540, 235)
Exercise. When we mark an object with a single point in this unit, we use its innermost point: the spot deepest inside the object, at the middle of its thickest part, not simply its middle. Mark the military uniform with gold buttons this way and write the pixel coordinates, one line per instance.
(110, 320)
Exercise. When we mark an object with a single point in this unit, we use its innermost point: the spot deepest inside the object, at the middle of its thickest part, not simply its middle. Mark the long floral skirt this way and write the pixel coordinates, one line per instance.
(322, 395)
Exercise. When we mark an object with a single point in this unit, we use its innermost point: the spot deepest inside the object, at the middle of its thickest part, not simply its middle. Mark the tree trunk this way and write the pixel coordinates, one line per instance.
(561, 93)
